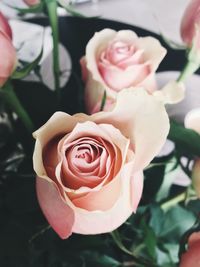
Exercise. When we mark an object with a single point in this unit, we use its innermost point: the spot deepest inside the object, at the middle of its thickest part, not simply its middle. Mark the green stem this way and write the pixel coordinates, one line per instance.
(9, 96)
(172, 202)
(53, 18)
(188, 70)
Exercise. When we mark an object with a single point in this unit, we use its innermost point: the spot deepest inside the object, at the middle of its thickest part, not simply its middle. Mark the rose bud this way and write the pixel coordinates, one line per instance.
(192, 121)
(31, 2)
(90, 168)
(4, 26)
(191, 258)
(8, 58)
(118, 60)
(190, 22)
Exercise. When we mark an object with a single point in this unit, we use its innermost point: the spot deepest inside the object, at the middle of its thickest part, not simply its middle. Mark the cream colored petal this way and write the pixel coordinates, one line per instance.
(96, 44)
(143, 119)
(154, 52)
(192, 120)
(172, 93)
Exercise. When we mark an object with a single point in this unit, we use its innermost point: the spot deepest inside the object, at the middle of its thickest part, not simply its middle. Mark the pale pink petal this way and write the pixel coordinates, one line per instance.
(101, 200)
(143, 119)
(4, 26)
(191, 17)
(192, 120)
(117, 78)
(97, 222)
(136, 189)
(59, 215)
(94, 48)
(8, 58)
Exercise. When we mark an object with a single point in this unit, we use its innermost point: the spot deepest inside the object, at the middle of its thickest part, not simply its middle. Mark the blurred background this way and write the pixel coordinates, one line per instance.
(153, 15)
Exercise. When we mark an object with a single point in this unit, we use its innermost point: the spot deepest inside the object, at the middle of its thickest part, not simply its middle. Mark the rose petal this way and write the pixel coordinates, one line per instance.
(59, 215)
(97, 222)
(192, 120)
(153, 51)
(4, 26)
(8, 58)
(117, 78)
(147, 127)
(172, 93)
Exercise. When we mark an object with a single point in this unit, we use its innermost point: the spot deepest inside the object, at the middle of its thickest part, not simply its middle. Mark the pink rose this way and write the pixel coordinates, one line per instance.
(192, 121)
(31, 2)
(191, 258)
(89, 168)
(8, 57)
(4, 26)
(191, 22)
(118, 60)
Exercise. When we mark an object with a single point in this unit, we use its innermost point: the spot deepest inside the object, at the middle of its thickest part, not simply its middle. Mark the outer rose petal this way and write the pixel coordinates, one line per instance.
(147, 128)
(59, 215)
(4, 26)
(8, 58)
(98, 222)
(173, 92)
(192, 120)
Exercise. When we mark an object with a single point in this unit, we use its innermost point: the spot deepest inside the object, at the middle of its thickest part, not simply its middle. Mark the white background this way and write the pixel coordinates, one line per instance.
(154, 15)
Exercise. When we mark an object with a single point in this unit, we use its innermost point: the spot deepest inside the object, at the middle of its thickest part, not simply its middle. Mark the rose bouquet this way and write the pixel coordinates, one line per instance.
(100, 148)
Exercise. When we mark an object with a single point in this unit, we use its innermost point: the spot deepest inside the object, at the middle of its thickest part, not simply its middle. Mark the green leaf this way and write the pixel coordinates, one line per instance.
(170, 173)
(157, 219)
(187, 141)
(177, 221)
(98, 260)
(149, 239)
(33, 9)
(172, 224)
(22, 73)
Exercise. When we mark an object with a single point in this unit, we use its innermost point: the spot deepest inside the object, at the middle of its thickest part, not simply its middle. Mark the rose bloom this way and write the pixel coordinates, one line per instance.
(4, 26)
(118, 60)
(192, 121)
(191, 258)
(31, 2)
(191, 22)
(90, 168)
(7, 52)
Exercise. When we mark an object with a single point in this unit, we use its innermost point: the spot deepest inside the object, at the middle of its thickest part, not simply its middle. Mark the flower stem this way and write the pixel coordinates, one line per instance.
(53, 18)
(9, 96)
(172, 202)
(190, 68)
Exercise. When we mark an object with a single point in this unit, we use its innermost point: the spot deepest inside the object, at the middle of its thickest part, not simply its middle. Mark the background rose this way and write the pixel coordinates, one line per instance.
(190, 22)
(89, 168)
(118, 60)
(31, 2)
(191, 258)
(4, 26)
(8, 57)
